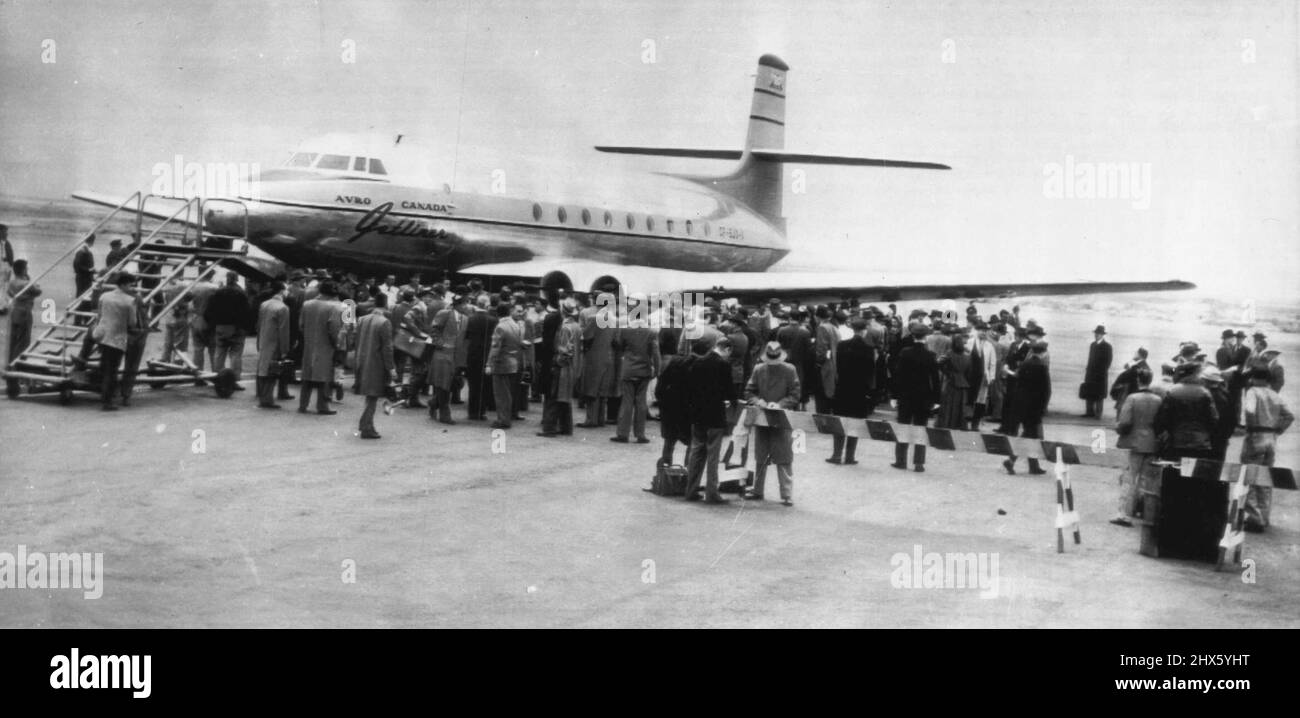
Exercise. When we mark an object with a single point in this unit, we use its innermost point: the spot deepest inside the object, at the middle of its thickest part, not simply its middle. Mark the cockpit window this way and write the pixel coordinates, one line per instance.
(377, 167)
(333, 162)
(301, 159)
(359, 164)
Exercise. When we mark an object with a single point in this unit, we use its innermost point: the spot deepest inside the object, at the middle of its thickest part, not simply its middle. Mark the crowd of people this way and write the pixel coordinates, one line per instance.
(1192, 411)
(500, 351)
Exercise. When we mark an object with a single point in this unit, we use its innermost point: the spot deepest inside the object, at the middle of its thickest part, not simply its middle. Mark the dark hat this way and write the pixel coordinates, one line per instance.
(1022, 332)
(1258, 335)
(1035, 330)
(115, 243)
(1099, 330)
(858, 324)
(917, 329)
(297, 274)
(1227, 334)
(1185, 370)
(1240, 334)
(1260, 372)
(122, 278)
(425, 291)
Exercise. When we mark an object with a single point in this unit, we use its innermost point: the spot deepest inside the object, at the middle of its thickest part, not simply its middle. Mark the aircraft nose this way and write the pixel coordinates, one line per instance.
(218, 221)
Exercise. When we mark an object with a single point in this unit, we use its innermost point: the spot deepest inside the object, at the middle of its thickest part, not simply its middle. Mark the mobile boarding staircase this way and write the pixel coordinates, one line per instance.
(172, 257)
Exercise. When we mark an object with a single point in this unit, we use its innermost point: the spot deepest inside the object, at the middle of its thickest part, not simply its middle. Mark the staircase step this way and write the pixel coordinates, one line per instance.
(43, 363)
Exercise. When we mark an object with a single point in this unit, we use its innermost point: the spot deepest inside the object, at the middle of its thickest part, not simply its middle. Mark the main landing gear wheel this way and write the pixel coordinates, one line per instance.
(65, 394)
(225, 383)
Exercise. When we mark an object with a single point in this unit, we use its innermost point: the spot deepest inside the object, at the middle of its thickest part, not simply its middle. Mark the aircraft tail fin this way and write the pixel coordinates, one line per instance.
(757, 180)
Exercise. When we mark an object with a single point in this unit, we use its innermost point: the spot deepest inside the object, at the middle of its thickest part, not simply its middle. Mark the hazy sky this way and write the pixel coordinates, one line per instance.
(1203, 94)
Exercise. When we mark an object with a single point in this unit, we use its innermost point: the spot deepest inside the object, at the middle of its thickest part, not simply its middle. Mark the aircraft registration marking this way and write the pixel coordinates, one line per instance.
(731, 233)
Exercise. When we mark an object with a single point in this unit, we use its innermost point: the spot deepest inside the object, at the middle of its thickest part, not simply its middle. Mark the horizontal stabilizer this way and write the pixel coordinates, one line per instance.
(806, 159)
(779, 156)
(672, 152)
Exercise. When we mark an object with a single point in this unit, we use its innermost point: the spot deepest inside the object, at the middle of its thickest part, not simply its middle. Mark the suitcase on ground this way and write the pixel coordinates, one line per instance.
(669, 480)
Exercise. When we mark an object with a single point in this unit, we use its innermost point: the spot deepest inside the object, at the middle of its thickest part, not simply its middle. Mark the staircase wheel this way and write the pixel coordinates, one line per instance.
(225, 383)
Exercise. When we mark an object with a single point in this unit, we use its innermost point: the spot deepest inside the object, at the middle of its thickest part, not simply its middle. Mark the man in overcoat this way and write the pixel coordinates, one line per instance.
(375, 365)
(322, 326)
(273, 343)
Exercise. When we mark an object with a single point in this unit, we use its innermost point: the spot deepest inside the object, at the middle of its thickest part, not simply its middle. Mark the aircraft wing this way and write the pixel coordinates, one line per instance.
(812, 287)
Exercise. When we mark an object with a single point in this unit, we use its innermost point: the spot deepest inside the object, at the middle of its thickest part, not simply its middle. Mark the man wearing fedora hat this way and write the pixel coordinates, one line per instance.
(1126, 383)
(1267, 359)
(773, 385)
(1225, 357)
(566, 371)
(1096, 376)
(118, 320)
(796, 341)
(709, 394)
(855, 377)
(1264, 415)
(1016, 354)
(1230, 361)
(1033, 393)
(1136, 429)
(1187, 417)
(917, 383)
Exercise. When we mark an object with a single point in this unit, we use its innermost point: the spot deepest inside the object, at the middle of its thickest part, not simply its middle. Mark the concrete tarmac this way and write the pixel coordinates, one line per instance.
(451, 526)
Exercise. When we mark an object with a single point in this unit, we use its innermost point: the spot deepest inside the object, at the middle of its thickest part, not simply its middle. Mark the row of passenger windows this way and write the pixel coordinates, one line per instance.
(670, 225)
(336, 162)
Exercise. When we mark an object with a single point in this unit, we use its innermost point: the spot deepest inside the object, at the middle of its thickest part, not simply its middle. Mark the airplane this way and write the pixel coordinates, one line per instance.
(337, 205)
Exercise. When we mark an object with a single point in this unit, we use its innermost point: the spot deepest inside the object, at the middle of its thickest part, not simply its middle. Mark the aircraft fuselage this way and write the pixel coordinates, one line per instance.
(385, 228)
